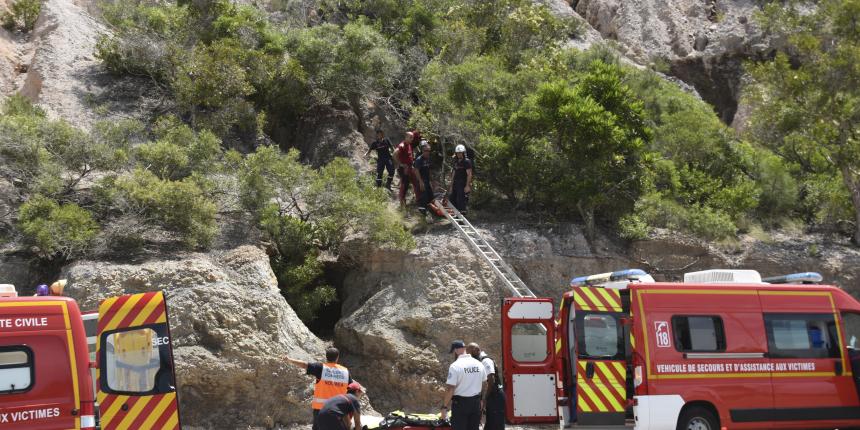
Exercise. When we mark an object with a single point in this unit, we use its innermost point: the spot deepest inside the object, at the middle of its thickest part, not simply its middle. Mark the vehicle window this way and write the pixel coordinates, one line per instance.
(16, 369)
(699, 333)
(801, 335)
(529, 343)
(851, 321)
(136, 362)
(599, 336)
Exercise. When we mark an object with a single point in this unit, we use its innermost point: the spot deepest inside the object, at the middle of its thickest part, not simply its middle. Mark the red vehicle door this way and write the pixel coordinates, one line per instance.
(530, 369)
(812, 378)
(600, 356)
(136, 382)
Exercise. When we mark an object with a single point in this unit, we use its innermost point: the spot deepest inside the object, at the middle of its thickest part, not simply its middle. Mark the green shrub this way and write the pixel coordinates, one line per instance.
(57, 231)
(22, 15)
(179, 206)
(633, 227)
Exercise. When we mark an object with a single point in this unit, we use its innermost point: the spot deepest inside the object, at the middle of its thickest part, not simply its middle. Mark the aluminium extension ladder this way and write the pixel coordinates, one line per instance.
(512, 282)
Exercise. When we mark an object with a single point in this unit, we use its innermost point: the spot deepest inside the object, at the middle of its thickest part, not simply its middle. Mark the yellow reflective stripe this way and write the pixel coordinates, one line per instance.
(557, 346)
(147, 310)
(594, 398)
(616, 384)
(122, 312)
(615, 305)
(173, 422)
(609, 396)
(132, 414)
(155, 414)
(114, 407)
(591, 297)
(583, 405)
(582, 305)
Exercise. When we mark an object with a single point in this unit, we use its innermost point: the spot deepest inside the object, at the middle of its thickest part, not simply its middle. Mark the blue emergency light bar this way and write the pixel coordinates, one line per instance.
(601, 278)
(795, 278)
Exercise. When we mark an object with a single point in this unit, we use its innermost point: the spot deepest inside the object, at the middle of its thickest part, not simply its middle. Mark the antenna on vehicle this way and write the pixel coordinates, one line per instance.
(795, 278)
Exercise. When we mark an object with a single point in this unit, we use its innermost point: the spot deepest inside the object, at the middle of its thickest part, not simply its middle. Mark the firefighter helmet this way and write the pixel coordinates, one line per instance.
(460, 148)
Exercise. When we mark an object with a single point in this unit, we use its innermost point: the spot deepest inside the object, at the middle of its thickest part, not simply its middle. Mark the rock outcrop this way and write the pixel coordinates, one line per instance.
(230, 328)
(55, 66)
(401, 312)
(703, 42)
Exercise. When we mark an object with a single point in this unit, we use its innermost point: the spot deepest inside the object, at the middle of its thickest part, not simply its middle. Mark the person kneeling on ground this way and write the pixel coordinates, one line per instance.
(338, 411)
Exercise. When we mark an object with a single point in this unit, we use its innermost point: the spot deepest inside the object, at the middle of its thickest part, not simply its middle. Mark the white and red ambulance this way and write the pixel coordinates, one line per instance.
(45, 364)
(722, 350)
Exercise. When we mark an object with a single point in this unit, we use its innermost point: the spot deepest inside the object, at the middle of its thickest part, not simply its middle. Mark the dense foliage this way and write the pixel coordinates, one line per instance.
(807, 105)
(22, 15)
(123, 187)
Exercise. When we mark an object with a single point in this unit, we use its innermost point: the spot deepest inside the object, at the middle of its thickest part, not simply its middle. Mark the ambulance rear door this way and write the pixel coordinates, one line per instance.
(136, 382)
(530, 368)
(600, 356)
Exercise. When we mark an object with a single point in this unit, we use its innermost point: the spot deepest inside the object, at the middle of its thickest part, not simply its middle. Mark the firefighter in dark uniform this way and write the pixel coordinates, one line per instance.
(494, 402)
(338, 412)
(465, 388)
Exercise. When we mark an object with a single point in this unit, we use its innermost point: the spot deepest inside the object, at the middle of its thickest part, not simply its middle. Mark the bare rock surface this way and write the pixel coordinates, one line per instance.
(401, 312)
(55, 66)
(62, 68)
(703, 42)
(230, 327)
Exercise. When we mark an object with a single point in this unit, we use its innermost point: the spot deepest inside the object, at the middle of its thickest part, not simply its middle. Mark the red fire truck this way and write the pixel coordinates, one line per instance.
(45, 364)
(722, 350)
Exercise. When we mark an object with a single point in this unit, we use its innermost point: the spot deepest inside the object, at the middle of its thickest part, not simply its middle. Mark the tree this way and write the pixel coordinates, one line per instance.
(345, 63)
(807, 101)
(582, 144)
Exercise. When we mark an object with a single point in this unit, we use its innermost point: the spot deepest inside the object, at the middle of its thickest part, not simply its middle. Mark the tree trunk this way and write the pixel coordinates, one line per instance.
(355, 104)
(854, 188)
(587, 214)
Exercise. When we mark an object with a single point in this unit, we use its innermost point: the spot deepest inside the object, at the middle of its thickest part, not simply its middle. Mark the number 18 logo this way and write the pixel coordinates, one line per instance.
(661, 328)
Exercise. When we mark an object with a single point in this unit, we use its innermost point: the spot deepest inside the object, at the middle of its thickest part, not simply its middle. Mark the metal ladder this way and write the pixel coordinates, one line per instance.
(512, 282)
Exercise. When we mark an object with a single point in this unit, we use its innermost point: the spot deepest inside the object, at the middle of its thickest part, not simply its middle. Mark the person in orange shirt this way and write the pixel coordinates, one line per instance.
(332, 379)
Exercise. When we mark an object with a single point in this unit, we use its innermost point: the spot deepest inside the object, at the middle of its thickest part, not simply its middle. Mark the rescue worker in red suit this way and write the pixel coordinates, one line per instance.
(404, 157)
(338, 411)
(332, 379)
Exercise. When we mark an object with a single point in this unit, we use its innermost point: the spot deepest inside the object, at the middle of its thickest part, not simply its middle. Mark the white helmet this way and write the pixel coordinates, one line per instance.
(460, 148)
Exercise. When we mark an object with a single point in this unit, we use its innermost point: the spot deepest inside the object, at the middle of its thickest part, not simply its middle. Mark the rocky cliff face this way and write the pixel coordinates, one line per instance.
(230, 328)
(704, 43)
(55, 66)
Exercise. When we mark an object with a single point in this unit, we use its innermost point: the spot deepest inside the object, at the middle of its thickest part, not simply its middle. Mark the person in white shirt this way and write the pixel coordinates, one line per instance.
(465, 388)
(494, 402)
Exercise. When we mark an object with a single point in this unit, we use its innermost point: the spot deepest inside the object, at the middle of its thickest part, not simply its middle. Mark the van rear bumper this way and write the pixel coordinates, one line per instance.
(657, 412)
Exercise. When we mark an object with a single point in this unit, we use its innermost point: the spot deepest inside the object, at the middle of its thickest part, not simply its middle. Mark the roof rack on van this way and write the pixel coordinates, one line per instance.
(795, 278)
(723, 276)
(8, 290)
(617, 276)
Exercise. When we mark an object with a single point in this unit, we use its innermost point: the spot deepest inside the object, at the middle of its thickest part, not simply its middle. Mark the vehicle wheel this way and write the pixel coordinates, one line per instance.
(697, 418)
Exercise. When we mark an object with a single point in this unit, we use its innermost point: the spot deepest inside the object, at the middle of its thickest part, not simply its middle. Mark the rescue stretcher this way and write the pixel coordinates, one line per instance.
(399, 420)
